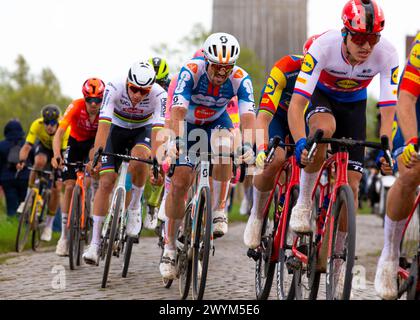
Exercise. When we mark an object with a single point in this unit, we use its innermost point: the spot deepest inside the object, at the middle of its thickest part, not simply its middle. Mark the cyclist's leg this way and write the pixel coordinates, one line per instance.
(264, 182)
(318, 116)
(400, 201)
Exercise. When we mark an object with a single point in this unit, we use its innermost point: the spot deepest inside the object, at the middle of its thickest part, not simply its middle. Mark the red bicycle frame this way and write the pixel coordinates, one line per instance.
(337, 162)
(292, 175)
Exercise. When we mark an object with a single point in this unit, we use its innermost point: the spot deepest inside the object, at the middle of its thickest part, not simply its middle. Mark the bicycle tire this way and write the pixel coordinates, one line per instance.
(127, 255)
(24, 226)
(74, 234)
(202, 251)
(344, 196)
(85, 234)
(264, 267)
(286, 287)
(38, 221)
(307, 281)
(118, 206)
(184, 261)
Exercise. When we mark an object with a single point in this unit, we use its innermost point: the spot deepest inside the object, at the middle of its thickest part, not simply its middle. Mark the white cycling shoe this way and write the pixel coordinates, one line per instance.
(386, 279)
(220, 223)
(252, 234)
(62, 248)
(300, 221)
(46, 234)
(167, 264)
(150, 220)
(134, 222)
(91, 255)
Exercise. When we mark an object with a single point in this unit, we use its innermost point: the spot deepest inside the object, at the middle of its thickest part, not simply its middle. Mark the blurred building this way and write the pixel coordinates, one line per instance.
(272, 28)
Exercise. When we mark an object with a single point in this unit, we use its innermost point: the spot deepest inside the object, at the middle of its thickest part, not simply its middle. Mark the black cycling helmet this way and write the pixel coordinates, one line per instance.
(50, 112)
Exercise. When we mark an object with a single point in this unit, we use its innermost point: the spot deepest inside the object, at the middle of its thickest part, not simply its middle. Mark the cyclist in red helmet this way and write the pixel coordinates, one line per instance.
(334, 76)
(82, 116)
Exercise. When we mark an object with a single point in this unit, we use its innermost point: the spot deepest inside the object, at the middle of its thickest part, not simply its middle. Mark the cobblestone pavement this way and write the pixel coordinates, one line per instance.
(43, 275)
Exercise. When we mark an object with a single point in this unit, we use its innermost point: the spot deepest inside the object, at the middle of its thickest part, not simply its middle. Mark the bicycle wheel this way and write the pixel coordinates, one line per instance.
(341, 261)
(127, 255)
(183, 259)
(285, 265)
(264, 267)
(202, 241)
(117, 210)
(409, 258)
(85, 234)
(24, 227)
(74, 236)
(40, 215)
(307, 277)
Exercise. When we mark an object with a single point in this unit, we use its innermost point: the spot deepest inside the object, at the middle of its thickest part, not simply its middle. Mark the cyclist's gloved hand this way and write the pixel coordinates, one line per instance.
(261, 157)
(20, 165)
(382, 164)
(300, 146)
(247, 154)
(409, 151)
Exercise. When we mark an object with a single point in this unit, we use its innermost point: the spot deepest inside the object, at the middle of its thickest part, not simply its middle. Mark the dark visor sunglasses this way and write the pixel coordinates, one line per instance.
(50, 122)
(135, 89)
(93, 100)
(361, 38)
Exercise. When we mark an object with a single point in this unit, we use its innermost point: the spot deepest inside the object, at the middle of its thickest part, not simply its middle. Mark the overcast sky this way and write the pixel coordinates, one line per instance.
(82, 38)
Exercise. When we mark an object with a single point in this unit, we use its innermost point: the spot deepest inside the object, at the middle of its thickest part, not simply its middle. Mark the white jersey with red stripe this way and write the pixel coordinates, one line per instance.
(326, 67)
(117, 107)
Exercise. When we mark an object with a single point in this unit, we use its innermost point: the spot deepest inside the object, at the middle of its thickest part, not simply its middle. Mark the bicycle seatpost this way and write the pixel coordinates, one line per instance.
(313, 143)
(385, 148)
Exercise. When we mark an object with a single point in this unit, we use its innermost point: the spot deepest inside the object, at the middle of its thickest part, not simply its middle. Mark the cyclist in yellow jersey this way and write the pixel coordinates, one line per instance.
(40, 137)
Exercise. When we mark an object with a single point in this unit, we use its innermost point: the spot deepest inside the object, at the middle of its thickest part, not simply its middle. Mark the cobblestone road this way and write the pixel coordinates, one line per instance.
(43, 275)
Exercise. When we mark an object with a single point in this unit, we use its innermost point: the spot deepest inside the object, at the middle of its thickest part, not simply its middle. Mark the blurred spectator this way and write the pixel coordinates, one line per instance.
(14, 188)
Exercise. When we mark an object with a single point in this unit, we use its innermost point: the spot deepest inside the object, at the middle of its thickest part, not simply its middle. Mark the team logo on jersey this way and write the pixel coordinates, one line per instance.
(270, 86)
(202, 113)
(415, 56)
(238, 74)
(347, 83)
(308, 64)
(394, 75)
(193, 67)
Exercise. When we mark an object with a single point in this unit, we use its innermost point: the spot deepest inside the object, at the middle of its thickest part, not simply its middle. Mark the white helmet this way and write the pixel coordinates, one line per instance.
(221, 48)
(141, 74)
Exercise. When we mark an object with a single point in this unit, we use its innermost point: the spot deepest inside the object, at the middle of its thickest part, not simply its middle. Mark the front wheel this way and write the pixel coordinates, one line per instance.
(24, 227)
(117, 209)
(74, 237)
(127, 255)
(183, 258)
(202, 242)
(340, 260)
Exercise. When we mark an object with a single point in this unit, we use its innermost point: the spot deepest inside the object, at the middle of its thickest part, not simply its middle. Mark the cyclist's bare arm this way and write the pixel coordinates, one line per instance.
(101, 135)
(387, 118)
(248, 128)
(176, 124)
(406, 112)
(57, 141)
(295, 116)
(262, 124)
(23, 155)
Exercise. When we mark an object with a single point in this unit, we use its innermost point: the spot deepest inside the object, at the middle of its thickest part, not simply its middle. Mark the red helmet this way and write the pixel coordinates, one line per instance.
(93, 87)
(363, 16)
(309, 42)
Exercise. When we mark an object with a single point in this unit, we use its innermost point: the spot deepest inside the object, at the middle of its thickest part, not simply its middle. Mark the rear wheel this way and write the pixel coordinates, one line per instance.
(340, 262)
(24, 227)
(201, 248)
(118, 207)
(74, 237)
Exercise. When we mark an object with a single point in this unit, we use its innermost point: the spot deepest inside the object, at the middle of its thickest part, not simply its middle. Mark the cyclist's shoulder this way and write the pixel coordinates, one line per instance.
(38, 123)
(157, 91)
(195, 66)
(286, 64)
(414, 58)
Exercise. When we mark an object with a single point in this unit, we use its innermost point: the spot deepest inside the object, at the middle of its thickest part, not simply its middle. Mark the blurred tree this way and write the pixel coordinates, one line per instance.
(22, 94)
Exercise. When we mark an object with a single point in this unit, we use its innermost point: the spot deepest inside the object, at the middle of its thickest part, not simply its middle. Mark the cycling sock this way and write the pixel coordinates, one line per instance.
(97, 228)
(171, 228)
(49, 221)
(220, 193)
(64, 231)
(307, 182)
(259, 201)
(392, 238)
(161, 212)
(136, 194)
